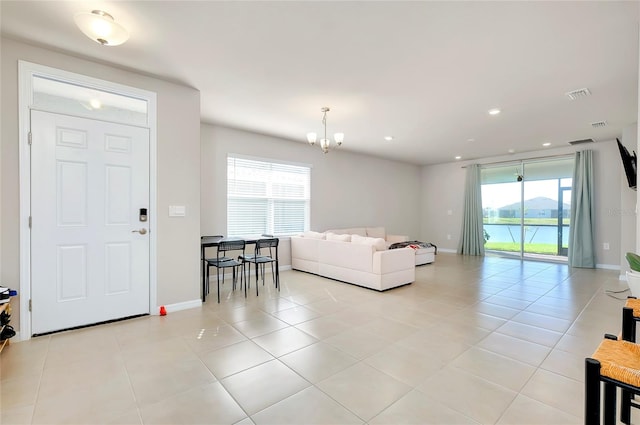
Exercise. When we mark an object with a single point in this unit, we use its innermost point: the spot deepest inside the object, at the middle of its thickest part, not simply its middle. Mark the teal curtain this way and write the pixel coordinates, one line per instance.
(581, 229)
(472, 238)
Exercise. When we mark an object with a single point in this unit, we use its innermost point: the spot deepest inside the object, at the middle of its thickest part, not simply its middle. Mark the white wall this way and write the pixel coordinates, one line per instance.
(347, 189)
(627, 210)
(442, 197)
(178, 143)
(442, 190)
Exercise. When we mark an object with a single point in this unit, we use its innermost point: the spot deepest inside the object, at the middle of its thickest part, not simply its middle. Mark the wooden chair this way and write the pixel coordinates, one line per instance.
(630, 315)
(615, 364)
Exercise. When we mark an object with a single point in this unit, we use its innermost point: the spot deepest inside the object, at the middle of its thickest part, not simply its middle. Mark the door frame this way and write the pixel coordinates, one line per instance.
(562, 190)
(521, 165)
(26, 72)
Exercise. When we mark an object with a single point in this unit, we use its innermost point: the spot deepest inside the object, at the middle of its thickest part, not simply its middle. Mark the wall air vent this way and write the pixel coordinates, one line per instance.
(580, 142)
(575, 94)
(599, 124)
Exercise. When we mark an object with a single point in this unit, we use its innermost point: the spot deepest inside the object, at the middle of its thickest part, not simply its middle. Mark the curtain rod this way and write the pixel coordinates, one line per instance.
(565, 155)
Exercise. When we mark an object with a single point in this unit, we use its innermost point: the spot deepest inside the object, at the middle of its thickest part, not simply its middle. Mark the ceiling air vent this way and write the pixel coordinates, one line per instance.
(579, 142)
(599, 124)
(575, 94)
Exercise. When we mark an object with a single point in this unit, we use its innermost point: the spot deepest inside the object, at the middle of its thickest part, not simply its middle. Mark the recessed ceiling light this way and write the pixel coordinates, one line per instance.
(511, 151)
(471, 140)
(388, 138)
(494, 111)
(95, 104)
(546, 144)
(458, 157)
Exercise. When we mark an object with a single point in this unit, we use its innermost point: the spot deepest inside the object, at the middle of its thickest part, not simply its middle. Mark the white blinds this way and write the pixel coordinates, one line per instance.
(266, 197)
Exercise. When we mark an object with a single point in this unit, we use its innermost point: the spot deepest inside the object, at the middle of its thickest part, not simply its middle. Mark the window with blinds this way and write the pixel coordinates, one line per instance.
(267, 197)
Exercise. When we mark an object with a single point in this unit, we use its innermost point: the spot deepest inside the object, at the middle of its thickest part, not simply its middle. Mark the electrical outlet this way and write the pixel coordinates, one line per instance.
(605, 246)
(449, 212)
(449, 237)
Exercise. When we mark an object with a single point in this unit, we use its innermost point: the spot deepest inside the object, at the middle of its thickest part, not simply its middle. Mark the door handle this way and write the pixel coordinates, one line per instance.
(142, 231)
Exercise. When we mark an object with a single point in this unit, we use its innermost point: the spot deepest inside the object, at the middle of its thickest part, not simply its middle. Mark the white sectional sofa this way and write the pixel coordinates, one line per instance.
(371, 232)
(424, 255)
(352, 258)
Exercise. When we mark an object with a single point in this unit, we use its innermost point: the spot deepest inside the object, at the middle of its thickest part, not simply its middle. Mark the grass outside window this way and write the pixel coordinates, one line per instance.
(532, 248)
(529, 221)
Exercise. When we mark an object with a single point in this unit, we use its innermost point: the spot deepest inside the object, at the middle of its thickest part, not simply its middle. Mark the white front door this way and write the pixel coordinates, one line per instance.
(89, 256)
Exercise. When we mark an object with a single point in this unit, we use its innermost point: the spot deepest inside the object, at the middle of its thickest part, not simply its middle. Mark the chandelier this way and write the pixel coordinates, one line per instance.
(325, 143)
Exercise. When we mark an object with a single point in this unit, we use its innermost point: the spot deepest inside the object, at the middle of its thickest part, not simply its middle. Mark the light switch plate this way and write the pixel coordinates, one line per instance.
(177, 210)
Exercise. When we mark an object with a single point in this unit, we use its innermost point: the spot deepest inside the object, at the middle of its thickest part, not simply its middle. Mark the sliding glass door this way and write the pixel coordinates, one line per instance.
(527, 208)
(501, 206)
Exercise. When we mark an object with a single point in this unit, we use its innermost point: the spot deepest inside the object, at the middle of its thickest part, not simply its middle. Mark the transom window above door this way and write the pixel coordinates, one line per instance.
(78, 100)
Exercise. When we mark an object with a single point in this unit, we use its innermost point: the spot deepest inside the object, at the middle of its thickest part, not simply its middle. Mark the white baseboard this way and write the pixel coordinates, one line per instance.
(449, 250)
(185, 305)
(608, 266)
(16, 338)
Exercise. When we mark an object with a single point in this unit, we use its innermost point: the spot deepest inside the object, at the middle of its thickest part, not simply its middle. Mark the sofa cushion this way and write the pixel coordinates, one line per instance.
(334, 237)
(350, 231)
(349, 256)
(305, 249)
(376, 232)
(378, 243)
(313, 235)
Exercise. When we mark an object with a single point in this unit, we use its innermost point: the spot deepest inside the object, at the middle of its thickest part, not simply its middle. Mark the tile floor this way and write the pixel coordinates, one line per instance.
(490, 341)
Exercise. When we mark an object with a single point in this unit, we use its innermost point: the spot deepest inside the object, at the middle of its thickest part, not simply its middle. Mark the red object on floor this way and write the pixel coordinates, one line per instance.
(163, 311)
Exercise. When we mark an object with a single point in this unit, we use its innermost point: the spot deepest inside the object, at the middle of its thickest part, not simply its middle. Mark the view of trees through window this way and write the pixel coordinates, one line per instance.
(527, 208)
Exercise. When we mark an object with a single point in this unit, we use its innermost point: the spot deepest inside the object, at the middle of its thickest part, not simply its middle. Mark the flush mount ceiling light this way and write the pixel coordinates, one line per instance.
(325, 143)
(494, 111)
(388, 138)
(545, 144)
(99, 26)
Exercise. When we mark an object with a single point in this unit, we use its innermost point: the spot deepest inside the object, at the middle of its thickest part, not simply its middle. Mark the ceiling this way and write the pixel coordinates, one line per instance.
(425, 73)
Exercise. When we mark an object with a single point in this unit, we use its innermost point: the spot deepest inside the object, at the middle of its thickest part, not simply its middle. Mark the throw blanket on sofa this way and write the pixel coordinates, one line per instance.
(418, 244)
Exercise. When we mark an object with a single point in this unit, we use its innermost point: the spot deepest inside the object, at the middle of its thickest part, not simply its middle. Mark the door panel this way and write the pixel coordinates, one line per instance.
(118, 268)
(72, 273)
(117, 195)
(71, 193)
(89, 180)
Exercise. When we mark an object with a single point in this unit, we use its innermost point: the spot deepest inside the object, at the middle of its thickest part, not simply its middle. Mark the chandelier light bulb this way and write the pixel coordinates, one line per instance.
(324, 144)
(311, 138)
